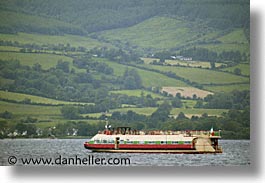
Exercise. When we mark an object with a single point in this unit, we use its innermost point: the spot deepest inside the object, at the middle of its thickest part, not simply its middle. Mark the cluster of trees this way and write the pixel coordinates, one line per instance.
(113, 101)
(58, 82)
(116, 55)
(19, 129)
(202, 54)
(62, 82)
(73, 128)
(6, 115)
(88, 64)
(234, 100)
(70, 128)
(129, 117)
(162, 56)
(131, 79)
(207, 55)
(235, 124)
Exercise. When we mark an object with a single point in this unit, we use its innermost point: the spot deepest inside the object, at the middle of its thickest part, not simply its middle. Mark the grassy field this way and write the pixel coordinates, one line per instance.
(197, 112)
(149, 79)
(40, 39)
(242, 48)
(145, 111)
(19, 97)
(47, 116)
(24, 110)
(157, 32)
(245, 69)
(202, 76)
(9, 48)
(228, 88)
(235, 36)
(46, 60)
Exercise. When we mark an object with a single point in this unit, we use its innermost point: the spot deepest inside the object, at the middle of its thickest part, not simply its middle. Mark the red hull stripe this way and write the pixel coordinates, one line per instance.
(139, 146)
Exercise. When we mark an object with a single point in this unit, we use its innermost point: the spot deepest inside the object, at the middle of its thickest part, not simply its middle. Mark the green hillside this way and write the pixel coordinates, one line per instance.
(156, 33)
(170, 65)
(234, 40)
(236, 36)
(167, 33)
(13, 22)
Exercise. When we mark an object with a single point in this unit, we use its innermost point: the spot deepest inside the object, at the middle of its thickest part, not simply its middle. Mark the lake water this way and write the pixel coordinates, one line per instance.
(14, 152)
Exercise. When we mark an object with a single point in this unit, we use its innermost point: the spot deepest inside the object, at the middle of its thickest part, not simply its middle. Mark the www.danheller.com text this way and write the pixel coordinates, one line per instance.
(90, 160)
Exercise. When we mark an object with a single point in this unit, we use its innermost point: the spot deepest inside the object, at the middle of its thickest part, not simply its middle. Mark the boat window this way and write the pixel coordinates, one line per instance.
(175, 142)
(97, 141)
(187, 142)
(105, 141)
(163, 142)
(141, 142)
(151, 142)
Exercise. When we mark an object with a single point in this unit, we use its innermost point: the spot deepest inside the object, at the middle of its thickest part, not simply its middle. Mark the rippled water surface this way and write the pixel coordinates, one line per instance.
(235, 153)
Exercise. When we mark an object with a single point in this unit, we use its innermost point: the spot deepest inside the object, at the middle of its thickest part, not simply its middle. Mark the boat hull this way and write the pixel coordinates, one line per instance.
(176, 149)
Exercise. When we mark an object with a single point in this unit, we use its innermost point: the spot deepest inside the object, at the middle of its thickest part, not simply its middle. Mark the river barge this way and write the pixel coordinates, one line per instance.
(126, 140)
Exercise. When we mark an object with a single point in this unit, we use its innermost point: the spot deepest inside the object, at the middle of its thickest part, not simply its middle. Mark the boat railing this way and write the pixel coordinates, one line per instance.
(160, 132)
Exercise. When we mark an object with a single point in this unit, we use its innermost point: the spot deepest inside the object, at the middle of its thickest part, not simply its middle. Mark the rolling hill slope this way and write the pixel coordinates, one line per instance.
(168, 33)
(13, 22)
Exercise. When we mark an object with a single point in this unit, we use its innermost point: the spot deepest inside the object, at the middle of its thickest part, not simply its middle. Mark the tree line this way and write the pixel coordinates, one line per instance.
(238, 100)
(99, 15)
(33, 47)
(207, 55)
(233, 125)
